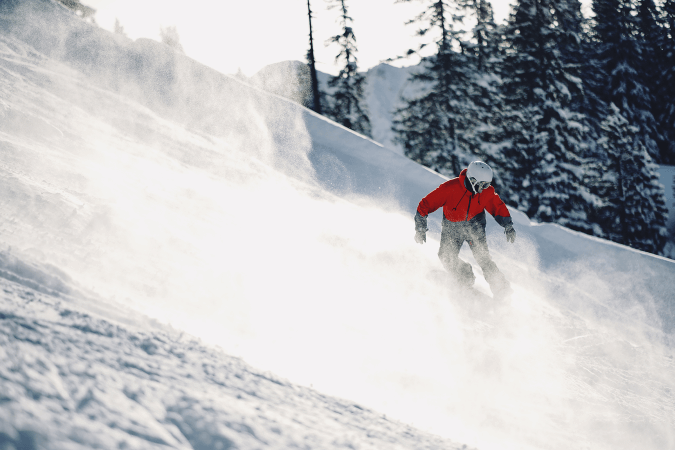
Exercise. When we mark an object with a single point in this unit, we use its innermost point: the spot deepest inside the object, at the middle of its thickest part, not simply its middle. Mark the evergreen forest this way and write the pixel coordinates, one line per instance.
(573, 113)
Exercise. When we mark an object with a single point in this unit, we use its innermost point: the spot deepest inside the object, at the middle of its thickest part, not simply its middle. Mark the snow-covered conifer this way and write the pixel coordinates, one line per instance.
(347, 106)
(657, 74)
(316, 96)
(486, 110)
(624, 62)
(570, 26)
(546, 148)
(118, 28)
(428, 126)
(484, 44)
(664, 106)
(634, 211)
(170, 37)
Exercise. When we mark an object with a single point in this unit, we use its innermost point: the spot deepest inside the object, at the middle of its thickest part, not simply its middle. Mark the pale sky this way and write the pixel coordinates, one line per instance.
(228, 35)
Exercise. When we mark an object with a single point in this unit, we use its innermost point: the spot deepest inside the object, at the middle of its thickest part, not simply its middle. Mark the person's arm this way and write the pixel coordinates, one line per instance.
(497, 208)
(427, 205)
(434, 200)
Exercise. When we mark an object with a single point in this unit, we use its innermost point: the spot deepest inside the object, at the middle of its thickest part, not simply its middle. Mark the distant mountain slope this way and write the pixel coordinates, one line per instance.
(385, 85)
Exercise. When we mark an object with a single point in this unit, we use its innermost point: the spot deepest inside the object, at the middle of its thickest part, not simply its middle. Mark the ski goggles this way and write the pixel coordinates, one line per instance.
(479, 186)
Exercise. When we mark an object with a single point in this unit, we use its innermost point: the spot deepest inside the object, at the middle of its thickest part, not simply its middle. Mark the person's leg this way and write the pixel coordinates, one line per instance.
(497, 281)
(452, 237)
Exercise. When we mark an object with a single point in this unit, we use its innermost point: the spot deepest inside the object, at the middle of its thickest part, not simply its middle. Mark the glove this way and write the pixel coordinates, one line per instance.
(420, 237)
(420, 228)
(510, 233)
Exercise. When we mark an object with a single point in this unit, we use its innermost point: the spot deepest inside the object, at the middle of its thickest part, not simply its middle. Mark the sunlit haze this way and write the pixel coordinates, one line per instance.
(231, 35)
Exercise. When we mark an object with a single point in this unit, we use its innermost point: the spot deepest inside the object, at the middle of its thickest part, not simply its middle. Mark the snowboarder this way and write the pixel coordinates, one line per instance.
(465, 199)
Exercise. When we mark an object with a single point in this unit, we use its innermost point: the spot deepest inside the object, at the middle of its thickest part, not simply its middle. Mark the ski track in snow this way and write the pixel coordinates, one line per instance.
(70, 379)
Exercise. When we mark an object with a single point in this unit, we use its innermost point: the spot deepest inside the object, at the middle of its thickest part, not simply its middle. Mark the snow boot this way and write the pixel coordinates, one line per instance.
(500, 287)
(463, 276)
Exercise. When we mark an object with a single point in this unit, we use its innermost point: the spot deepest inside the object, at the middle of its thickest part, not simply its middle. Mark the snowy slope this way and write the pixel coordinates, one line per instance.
(78, 372)
(72, 378)
(383, 89)
(139, 188)
(385, 86)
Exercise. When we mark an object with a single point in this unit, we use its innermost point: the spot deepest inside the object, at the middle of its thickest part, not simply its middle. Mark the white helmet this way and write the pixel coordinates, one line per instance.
(480, 175)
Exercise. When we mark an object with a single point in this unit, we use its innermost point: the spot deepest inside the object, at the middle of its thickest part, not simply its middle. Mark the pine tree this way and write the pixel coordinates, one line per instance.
(666, 84)
(485, 105)
(623, 64)
(170, 37)
(316, 96)
(546, 151)
(634, 211)
(593, 79)
(520, 76)
(118, 28)
(656, 46)
(570, 27)
(347, 106)
(484, 44)
(428, 126)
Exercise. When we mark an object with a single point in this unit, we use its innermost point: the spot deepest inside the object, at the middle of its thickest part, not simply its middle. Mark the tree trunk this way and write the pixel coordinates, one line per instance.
(622, 213)
(316, 106)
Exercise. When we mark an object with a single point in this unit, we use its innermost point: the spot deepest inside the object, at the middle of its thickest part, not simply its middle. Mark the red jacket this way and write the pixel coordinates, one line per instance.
(462, 205)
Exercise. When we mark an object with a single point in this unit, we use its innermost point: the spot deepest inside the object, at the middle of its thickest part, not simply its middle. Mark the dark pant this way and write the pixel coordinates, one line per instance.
(453, 235)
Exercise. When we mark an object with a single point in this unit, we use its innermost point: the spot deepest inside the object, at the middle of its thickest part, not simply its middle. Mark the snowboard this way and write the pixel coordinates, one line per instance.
(471, 302)
(457, 288)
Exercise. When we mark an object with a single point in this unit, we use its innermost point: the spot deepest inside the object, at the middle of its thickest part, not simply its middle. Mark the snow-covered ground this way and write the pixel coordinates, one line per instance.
(77, 375)
(383, 90)
(161, 224)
